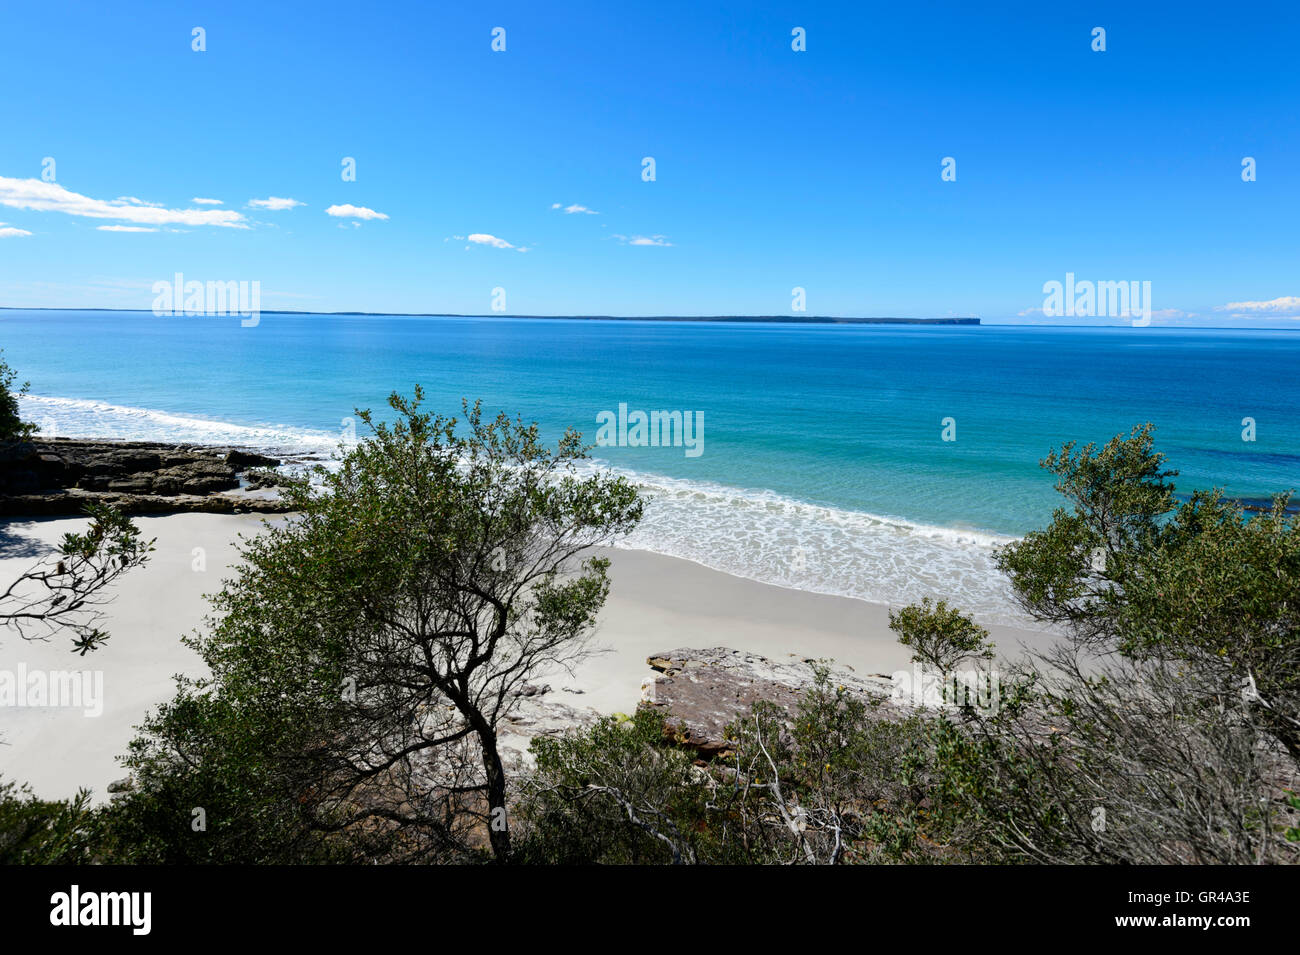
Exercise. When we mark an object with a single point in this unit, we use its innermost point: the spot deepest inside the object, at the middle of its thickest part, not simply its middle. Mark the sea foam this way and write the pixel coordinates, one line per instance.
(769, 537)
(756, 534)
(79, 418)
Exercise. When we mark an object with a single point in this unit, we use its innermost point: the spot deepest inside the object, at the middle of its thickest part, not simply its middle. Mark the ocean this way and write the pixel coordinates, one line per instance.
(873, 461)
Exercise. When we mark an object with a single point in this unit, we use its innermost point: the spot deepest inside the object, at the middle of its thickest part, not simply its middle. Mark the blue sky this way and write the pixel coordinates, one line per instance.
(774, 168)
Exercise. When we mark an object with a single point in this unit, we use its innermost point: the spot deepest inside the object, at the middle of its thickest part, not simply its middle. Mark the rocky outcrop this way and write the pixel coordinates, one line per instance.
(540, 711)
(51, 476)
(699, 692)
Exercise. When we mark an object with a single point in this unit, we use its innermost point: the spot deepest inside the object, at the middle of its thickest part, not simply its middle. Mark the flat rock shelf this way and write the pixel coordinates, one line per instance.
(61, 476)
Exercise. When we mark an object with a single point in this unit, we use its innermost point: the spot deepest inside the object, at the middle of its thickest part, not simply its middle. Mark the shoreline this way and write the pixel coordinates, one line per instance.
(741, 529)
(656, 603)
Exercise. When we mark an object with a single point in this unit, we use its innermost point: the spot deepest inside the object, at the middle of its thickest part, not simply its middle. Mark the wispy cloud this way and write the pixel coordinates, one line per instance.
(206, 202)
(125, 228)
(482, 238)
(10, 232)
(1287, 306)
(271, 203)
(348, 211)
(41, 196)
(574, 209)
(642, 239)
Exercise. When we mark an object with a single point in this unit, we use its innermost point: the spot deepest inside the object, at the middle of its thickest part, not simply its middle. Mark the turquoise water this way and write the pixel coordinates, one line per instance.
(822, 464)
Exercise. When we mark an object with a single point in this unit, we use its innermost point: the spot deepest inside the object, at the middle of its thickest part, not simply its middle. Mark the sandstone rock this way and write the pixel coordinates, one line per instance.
(74, 500)
(700, 692)
(131, 485)
(260, 479)
(48, 476)
(242, 460)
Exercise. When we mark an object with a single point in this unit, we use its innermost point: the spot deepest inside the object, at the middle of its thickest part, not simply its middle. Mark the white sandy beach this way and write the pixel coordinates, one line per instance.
(656, 603)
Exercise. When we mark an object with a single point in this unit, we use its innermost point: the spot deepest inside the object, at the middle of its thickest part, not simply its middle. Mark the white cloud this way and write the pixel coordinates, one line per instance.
(206, 202)
(1286, 306)
(347, 211)
(642, 239)
(41, 196)
(274, 203)
(9, 232)
(124, 228)
(482, 238)
(574, 209)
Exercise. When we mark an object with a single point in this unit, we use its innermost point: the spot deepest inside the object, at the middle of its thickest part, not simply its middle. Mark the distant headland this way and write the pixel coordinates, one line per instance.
(786, 319)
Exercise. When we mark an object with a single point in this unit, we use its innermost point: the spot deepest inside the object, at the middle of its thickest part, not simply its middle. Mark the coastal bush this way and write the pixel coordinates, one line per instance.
(1161, 731)
(1166, 729)
(940, 636)
(12, 426)
(43, 832)
(1118, 763)
(831, 783)
(838, 781)
(367, 650)
(617, 793)
(1129, 570)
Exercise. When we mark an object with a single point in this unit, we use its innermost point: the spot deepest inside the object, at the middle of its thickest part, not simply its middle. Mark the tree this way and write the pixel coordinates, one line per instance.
(43, 832)
(613, 793)
(12, 426)
(66, 591)
(939, 635)
(368, 649)
(1164, 730)
(1115, 762)
(1128, 569)
(836, 779)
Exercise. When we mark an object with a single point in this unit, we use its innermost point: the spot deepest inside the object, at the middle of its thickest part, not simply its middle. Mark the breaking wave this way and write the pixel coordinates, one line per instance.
(756, 534)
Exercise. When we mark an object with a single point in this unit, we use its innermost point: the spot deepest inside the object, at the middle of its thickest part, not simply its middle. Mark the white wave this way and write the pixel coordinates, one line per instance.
(765, 536)
(80, 418)
(756, 534)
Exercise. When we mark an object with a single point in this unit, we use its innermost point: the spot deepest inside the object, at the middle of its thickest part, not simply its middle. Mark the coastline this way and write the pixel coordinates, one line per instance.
(744, 529)
(656, 603)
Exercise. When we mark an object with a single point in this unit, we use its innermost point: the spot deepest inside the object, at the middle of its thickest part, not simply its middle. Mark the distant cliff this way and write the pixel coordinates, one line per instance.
(791, 319)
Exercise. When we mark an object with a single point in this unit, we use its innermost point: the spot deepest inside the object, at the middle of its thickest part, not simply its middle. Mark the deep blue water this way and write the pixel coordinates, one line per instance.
(825, 440)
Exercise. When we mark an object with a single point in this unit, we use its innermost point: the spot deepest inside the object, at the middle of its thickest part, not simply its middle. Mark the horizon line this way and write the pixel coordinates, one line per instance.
(968, 321)
(819, 319)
